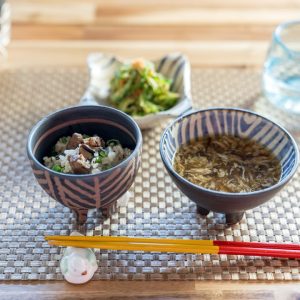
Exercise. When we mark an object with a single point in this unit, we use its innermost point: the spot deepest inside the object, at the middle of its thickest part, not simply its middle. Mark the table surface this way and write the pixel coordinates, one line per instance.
(213, 33)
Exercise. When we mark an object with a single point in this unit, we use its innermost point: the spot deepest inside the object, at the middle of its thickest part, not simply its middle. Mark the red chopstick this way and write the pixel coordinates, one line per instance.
(258, 245)
(280, 250)
(283, 253)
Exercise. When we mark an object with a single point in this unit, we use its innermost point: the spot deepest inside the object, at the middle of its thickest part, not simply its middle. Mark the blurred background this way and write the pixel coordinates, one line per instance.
(231, 33)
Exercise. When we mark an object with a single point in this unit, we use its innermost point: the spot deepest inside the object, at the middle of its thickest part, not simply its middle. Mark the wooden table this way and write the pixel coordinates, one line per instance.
(213, 33)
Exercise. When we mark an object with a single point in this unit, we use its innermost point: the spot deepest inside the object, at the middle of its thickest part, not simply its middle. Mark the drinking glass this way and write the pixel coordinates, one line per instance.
(281, 73)
(5, 24)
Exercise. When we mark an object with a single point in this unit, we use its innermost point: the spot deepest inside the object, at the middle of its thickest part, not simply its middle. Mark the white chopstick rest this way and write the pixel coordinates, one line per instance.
(78, 265)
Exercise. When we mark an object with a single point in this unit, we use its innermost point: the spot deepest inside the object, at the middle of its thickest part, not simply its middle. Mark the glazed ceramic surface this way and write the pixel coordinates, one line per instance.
(174, 66)
(235, 122)
(83, 192)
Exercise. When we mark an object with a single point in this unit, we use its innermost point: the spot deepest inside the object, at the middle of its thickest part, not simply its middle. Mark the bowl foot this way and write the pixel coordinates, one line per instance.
(202, 211)
(105, 213)
(234, 218)
(81, 217)
(109, 210)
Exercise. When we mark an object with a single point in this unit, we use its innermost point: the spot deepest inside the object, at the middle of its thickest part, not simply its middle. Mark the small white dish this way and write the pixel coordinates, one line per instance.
(174, 66)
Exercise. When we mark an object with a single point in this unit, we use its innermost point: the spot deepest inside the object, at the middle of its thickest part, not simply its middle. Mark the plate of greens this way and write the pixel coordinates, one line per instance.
(149, 91)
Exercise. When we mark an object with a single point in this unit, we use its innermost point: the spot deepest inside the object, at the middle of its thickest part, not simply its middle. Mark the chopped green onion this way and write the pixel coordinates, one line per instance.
(102, 153)
(112, 142)
(85, 136)
(64, 139)
(57, 168)
(99, 160)
(100, 157)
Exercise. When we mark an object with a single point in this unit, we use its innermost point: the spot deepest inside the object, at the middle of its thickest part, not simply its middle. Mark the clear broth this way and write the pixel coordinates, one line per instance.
(228, 164)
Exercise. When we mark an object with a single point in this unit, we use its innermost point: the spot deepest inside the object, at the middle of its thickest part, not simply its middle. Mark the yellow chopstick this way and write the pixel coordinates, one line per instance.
(178, 246)
(130, 239)
(137, 246)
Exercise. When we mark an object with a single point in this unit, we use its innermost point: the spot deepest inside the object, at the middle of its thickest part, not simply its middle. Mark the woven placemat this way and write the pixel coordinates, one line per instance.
(155, 208)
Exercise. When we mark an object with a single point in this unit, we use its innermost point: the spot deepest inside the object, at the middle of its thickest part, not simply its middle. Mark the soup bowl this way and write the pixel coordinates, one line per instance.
(83, 192)
(239, 123)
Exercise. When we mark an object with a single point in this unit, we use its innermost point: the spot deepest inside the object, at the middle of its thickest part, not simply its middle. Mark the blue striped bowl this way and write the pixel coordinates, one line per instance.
(174, 66)
(83, 192)
(237, 122)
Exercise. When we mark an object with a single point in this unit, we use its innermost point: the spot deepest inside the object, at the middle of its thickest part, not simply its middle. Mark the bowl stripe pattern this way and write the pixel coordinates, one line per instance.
(77, 193)
(233, 122)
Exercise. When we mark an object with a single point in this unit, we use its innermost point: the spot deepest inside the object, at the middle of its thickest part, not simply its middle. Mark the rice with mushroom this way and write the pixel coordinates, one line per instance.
(81, 154)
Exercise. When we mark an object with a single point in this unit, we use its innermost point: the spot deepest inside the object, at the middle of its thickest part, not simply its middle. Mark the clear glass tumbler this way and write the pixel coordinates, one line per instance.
(5, 25)
(281, 73)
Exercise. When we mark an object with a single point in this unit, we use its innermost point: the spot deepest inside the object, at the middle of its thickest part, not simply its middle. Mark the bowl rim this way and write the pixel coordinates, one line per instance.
(227, 194)
(69, 109)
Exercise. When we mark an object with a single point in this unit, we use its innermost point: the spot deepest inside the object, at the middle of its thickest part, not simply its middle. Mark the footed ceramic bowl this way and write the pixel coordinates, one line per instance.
(83, 192)
(174, 66)
(240, 123)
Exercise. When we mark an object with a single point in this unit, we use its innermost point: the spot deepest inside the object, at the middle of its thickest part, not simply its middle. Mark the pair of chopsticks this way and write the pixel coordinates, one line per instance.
(179, 246)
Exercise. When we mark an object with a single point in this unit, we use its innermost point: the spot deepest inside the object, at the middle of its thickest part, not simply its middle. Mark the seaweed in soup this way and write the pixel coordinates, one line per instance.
(228, 164)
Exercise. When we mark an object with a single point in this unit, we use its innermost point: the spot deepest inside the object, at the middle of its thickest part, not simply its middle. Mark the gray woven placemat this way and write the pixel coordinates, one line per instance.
(155, 207)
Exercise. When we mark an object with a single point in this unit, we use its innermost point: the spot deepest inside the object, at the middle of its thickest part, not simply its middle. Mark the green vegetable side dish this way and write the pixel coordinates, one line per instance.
(138, 90)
